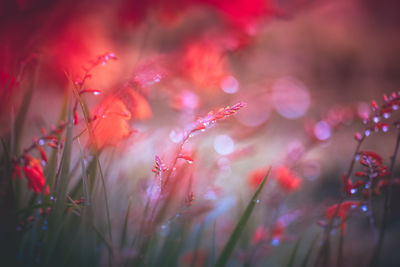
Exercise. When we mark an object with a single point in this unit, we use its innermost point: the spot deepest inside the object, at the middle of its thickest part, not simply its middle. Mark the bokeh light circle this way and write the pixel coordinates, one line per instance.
(290, 97)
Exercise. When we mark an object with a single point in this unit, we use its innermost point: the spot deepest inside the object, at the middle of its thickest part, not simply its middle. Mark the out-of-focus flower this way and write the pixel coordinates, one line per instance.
(256, 176)
(141, 109)
(186, 100)
(197, 257)
(261, 234)
(341, 213)
(111, 124)
(287, 179)
(205, 65)
(34, 173)
(242, 13)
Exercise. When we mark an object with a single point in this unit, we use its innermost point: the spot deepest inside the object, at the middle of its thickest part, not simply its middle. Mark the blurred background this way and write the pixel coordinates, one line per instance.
(307, 70)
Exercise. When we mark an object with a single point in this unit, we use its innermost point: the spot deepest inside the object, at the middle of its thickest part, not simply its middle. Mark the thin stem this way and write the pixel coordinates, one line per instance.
(340, 250)
(386, 208)
(370, 211)
(323, 255)
(105, 197)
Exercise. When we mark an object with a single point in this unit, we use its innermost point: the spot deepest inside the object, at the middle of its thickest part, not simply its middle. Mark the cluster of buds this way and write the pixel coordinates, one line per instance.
(373, 171)
(159, 167)
(374, 121)
(212, 117)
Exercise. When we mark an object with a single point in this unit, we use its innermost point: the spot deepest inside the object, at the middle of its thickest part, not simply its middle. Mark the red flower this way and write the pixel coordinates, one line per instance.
(342, 212)
(261, 234)
(111, 125)
(34, 173)
(17, 172)
(286, 179)
(205, 65)
(256, 177)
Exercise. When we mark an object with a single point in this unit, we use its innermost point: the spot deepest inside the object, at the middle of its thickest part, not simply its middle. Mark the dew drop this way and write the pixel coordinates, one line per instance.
(353, 191)
(367, 132)
(386, 115)
(275, 242)
(376, 119)
(364, 208)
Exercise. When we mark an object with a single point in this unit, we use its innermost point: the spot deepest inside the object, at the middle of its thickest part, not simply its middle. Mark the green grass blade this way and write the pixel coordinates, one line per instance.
(294, 253)
(103, 239)
(105, 197)
(52, 164)
(125, 227)
(310, 249)
(234, 238)
(56, 219)
(85, 182)
(199, 235)
(86, 115)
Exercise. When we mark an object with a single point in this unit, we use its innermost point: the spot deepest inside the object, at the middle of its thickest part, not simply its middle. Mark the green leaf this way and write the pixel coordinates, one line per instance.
(105, 196)
(294, 253)
(234, 238)
(307, 257)
(56, 220)
(103, 239)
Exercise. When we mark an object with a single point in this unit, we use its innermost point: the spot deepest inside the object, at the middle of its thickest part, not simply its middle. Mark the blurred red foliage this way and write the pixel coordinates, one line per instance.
(287, 179)
(342, 212)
